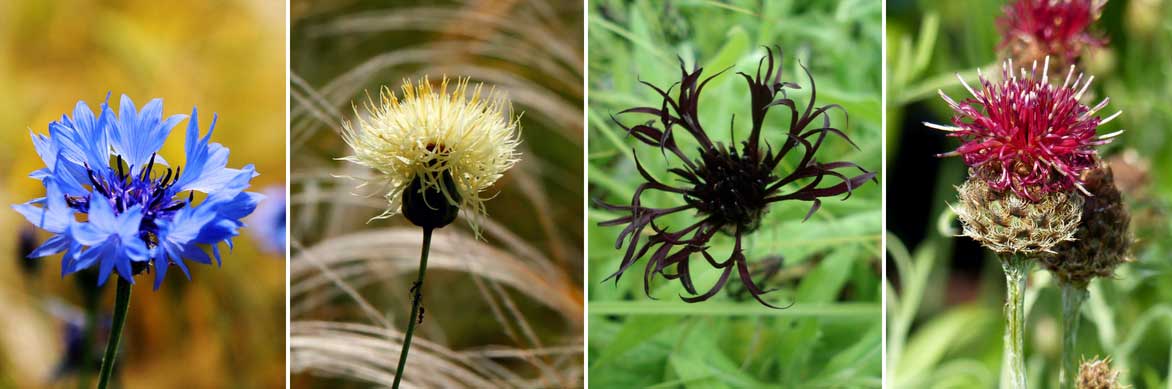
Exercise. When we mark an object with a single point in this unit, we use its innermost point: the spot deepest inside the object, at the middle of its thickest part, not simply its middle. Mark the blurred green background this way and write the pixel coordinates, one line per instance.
(503, 311)
(225, 328)
(944, 305)
(831, 336)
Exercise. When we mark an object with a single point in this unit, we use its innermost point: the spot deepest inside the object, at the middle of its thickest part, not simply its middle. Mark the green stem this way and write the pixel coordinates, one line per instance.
(1017, 268)
(88, 340)
(121, 306)
(1072, 299)
(416, 296)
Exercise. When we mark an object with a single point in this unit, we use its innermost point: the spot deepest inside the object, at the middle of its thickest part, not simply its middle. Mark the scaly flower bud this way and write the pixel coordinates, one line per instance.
(1102, 239)
(1009, 224)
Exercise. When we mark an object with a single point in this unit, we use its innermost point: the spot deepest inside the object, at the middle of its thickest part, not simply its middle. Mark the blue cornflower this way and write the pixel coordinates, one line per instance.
(268, 222)
(114, 203)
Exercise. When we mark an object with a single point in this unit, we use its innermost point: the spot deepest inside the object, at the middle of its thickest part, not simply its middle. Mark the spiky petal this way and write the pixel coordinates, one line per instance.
(729, 188)
(471, 134)
(1025, 134)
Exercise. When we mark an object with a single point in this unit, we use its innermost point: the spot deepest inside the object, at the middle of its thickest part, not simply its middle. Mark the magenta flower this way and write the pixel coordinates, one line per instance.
(1026, 134)
(1035, 29)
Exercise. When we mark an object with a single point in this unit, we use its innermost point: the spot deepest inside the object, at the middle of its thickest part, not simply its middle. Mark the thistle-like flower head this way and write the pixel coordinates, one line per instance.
(1034, 29)
(447, 143)
(112, 202)
(1024, 134)
(728, 187)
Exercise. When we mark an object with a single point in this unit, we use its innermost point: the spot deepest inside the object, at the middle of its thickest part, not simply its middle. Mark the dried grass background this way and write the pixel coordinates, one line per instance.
(504, 311)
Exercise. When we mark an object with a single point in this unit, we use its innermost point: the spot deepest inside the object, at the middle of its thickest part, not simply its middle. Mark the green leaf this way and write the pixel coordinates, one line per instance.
(635, 331)
(823, 284)
(926, 349)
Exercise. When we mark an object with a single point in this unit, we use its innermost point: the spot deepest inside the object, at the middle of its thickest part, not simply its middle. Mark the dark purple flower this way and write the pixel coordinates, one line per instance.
(728, 188)
(1027, 135)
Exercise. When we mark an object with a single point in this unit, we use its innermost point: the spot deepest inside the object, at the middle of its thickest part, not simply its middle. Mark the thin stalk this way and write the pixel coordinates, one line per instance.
(1072, 299)
(416, 296)
(121, 306)
(1016, 268)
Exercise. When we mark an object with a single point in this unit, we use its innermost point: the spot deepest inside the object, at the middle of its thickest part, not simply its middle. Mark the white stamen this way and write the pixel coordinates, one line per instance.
(1084, 88)
(966, 86)
(943, 127)
(1046, 71)
(1111, 135)
(1110, 118)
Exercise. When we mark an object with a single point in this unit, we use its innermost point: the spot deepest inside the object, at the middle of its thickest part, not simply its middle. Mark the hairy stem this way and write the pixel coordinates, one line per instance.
(121, 306)
(1072, 299)
(1017, 268)
(416, 296)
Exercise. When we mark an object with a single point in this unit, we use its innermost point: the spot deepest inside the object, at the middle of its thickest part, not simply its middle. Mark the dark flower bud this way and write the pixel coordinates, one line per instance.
(1102, 239)
(1009, 224)
(428, 207)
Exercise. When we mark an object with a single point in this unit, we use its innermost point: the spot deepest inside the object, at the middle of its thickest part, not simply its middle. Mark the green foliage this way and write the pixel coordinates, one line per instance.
(831, 335)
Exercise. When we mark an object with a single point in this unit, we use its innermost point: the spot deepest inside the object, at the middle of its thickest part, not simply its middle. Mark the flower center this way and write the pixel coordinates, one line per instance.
(732, 189)
(156, 195)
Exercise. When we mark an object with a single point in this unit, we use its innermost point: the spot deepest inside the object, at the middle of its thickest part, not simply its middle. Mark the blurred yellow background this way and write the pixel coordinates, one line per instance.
(225, 328)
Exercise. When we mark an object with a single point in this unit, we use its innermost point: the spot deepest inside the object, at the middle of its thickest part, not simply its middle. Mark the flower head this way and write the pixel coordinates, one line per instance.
(445, 145)
(1027, 135)
(1102, 239)
(113, 203)
(729, 188)
(1034, 29)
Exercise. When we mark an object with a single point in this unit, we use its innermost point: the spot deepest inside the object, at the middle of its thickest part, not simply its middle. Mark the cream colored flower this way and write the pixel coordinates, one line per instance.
(470, 134)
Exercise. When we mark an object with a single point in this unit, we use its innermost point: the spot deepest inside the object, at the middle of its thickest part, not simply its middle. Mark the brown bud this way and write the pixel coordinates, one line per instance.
(1102, 240)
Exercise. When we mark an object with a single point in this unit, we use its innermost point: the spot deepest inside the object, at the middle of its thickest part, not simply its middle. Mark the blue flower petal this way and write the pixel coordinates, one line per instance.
(90, 131)
(161, 266)
(68, 183)
(53, 215)
(138, 135)
(107, 256)
(45, 147)
(54, 245)
(206, 162)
